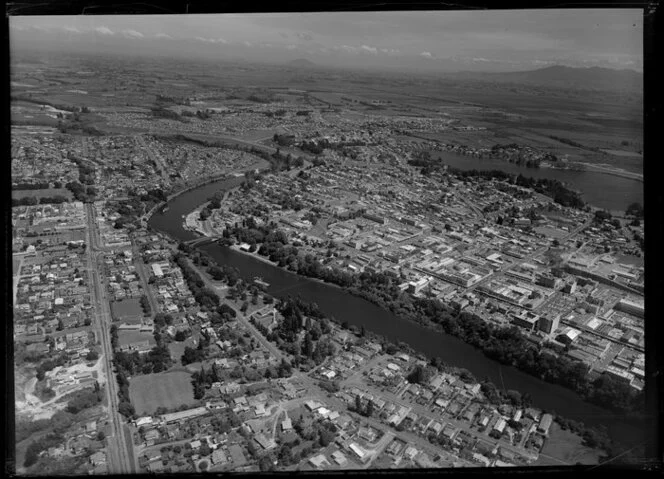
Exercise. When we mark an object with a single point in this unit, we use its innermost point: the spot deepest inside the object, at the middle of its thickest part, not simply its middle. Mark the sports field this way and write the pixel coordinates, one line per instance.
(169, 390)
(127, 310)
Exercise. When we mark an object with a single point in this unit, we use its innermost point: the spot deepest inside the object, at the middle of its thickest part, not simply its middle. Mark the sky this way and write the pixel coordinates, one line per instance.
(506, 40)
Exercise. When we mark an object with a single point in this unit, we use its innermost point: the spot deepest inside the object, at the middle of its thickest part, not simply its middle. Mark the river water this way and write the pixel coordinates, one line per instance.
(337, 303)
(592, 185)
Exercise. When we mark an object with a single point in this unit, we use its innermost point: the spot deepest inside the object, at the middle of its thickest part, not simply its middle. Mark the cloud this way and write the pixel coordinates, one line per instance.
(481, 60)
(390, 51)
(246, 43)
(283, 34)
(304, 36)
(347, 48)
(369, 49)
(132, 34)
(162, 35)
(291, 47)
(71, 29)
(210, 40)
(104, 31)
(426, 54)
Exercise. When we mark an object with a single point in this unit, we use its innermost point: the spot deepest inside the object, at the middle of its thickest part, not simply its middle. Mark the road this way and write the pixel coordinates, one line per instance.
(119, 459)
(144, 275)
(17, 276)
(156, 158)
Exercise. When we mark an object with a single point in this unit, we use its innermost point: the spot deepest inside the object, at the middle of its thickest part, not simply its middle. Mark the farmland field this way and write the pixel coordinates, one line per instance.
(170, 390)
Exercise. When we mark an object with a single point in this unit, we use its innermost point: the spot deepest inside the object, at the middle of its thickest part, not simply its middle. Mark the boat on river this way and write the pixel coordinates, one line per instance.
(259, 282)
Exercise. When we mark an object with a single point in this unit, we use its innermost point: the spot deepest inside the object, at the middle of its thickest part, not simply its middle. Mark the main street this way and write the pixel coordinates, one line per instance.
(158, 161)
(119, 459)
(528, 257)
(144, 276)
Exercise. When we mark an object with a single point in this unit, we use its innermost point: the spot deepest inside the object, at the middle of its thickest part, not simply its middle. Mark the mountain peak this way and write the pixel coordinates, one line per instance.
(302, 62)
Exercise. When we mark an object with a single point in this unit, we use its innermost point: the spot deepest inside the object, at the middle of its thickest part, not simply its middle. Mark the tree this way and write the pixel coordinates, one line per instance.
(358, 404)
(205, 449)
(265, 463)
(101, 436)
(370, 409)
(31, 455)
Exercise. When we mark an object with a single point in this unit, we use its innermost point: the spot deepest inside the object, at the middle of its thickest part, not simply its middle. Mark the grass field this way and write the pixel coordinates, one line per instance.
(126, 310)
(565, 448)
(170, 390)
(45, 193)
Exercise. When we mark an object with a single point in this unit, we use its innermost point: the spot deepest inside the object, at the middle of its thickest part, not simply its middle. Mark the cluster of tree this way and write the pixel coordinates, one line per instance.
(224, 273)
(302, 113)
(178, 100)
(569, 142)
(320, 434)
(32, 186)
(202, 379)
(145, 305)
(225, 421)
(193, 355)
(635, 209)
(278, 113)
(35, 448)
(283, 140)
(155, 195)
(162, 320)
(202, 114)
(204, 296)
(314, 147)
(161, 112)
(92, 356)
(50, 364)
(44, 200)
(297, 316)
(329, 386)
(261, 98)
(366, 410)
(419, 375)
(156, 360)
(81, 193)
(85, 399)
(76, 126)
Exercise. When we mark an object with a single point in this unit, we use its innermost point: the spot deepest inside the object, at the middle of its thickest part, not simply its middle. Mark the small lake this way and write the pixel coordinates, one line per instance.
(599, 189)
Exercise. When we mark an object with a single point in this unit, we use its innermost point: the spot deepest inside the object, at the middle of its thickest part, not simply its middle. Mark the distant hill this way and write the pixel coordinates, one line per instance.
(302, 63)
(596, 78)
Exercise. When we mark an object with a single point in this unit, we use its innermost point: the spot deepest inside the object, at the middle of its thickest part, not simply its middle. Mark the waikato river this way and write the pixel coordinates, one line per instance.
(337, 303)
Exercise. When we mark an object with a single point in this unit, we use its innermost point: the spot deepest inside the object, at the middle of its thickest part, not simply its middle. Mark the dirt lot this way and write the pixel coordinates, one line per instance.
(151, 391)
